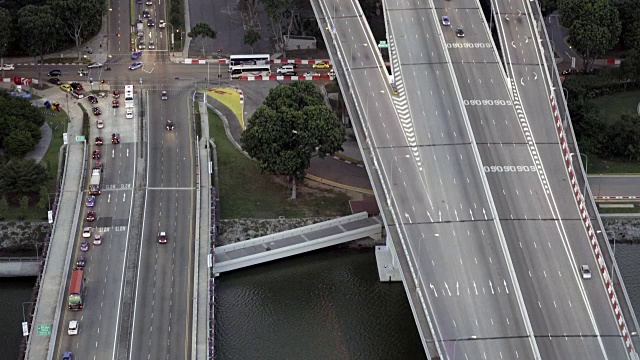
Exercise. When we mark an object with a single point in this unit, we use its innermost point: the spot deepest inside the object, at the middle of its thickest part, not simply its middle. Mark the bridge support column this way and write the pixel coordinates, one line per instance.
(387, 261)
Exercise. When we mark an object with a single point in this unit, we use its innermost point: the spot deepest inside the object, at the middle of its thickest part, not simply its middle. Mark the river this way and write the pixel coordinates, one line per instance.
(324, 305)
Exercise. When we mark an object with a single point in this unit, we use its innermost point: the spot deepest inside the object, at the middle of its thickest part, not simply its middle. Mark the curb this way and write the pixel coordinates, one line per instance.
(347, 159)
(338, 185)
(282, 78)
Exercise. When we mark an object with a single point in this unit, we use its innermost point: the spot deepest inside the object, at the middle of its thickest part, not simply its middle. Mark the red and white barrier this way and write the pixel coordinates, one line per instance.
(19, 81)
(300, 62)
(283, 78)
(587, 224)
(617, 197)
(195, 61)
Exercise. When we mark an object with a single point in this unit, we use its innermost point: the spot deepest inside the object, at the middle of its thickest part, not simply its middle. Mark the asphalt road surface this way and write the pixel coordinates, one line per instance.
(104, 264)
(615, 185)
(162, 313)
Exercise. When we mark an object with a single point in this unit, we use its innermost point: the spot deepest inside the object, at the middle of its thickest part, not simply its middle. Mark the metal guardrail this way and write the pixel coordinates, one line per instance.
(19, 259)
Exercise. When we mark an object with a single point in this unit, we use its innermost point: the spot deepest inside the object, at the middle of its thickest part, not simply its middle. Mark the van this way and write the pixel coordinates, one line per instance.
(285, 69)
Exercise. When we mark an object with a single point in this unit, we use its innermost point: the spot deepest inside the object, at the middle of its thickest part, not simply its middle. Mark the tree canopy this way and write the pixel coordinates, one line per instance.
(18, 176)
(202, 30)
(594, 26)
(289, 128)
(19, 125)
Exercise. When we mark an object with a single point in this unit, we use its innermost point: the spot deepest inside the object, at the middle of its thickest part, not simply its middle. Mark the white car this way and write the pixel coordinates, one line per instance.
(86, 232)
(100, 123)
(585, 271)
(97, 239)
(73, 327)
(311, 73)
(95, 65)
(162, 24)
(152, 45)
(7, 67)
(129, 114)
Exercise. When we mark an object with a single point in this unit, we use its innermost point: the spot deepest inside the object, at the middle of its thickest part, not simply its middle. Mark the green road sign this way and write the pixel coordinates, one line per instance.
(383, 44)
(44, 329)
(80, 138)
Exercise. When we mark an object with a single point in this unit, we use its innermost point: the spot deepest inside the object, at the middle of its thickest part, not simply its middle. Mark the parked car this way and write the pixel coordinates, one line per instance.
(55, 81)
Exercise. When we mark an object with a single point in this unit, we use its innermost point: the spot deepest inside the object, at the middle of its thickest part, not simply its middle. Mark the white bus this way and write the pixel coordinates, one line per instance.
(256, 59)
(128, 96)
(250, 70)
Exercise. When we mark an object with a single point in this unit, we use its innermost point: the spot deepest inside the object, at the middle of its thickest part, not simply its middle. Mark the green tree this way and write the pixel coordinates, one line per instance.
(4, 206)
(204, 31)
(18, 176)
(76, 15)
(280, 13)
(548, 6)
(18, 143)
(5, 32)
(624, 136)
(43, 202)
(251, 37)
(594, 27)
(43, 31)
(630, 67)
(24, 205)
(292, 125)
(629, 11)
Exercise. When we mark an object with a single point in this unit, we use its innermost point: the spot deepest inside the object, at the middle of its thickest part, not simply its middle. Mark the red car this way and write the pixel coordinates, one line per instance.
(96, 155)
(91, 216)
(115, 138)
(98, 141)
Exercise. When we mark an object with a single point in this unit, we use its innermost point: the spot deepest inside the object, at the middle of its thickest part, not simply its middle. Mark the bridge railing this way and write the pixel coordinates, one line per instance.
(343, 75)
(548, 52)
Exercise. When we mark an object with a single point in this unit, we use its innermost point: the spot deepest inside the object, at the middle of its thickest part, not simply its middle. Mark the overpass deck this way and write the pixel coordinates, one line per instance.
(297, 241)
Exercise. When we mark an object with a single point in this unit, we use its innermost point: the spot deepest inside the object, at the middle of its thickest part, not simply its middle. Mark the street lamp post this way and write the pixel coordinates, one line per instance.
(472, 337)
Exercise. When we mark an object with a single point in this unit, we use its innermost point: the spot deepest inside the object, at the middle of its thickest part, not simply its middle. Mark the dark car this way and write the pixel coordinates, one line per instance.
(97, 111)
(76, 86)
(91, 201)
(96, 155)
(136, 55)
(115, 104)
(151, 23)
(91, 216)
(146, 14)
(92, 99)
(460, 33)
(115, 138)
(98, 164)
(170, 125)
(99, 141)
(116, 94)
(290, 73)
(55, 81)
(84, 246)
(68, 355)
(162, 237)
(80, 261)
(54, 73)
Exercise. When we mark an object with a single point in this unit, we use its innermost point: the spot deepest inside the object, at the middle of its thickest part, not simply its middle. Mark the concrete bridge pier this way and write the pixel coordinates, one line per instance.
(387, 261)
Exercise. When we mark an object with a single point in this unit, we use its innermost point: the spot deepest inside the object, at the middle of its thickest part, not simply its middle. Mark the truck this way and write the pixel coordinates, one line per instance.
(95, 182)
(76, 290)
(140, 29)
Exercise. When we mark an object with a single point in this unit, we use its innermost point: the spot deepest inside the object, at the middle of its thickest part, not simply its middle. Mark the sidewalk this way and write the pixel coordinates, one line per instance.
(51, 296)
(201, 313)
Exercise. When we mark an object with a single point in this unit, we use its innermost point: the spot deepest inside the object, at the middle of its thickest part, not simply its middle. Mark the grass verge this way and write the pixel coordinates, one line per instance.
(246, 193)
(614, 105)
(231, 99)
(85, 122)
(619, 210)
(599, 165)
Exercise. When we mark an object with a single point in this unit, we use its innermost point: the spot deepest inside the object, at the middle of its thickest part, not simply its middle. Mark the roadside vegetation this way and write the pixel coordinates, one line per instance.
(247, 193)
